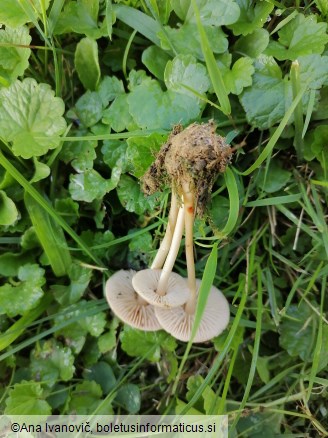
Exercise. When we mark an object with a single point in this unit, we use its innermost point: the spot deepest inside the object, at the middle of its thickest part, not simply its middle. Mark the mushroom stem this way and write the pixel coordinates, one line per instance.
(189, 204)
(164, 247)
(172, 254)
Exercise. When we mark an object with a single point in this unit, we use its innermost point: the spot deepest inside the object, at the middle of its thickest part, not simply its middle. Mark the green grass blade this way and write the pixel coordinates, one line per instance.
(309, 112)
(318, 347)
(219, 359)
(298, 112)
(46, 206)
(19, 327)
(92, 310)
(273, 140)
(139, 21)
(50, 235)
(232, 187)
(204, 290)
(275, 200)
(212, 67)
(55, 11)
(256, 348)
(109, 18)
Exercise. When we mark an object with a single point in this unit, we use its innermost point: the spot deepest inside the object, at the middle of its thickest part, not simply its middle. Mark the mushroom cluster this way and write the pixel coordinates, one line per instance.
(157, 298)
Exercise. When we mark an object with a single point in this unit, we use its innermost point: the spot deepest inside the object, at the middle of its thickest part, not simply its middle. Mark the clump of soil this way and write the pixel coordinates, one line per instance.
(195, 156)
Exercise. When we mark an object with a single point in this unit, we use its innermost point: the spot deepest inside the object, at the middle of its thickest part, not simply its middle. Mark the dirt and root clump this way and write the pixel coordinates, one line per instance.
(193, 156)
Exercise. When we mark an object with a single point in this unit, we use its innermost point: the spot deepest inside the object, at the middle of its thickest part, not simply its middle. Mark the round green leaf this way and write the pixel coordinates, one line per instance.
(31, 117)
(8, 210)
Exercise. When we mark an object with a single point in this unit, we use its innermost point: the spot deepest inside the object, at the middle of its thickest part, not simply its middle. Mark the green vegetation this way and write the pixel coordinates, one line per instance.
(89, 91)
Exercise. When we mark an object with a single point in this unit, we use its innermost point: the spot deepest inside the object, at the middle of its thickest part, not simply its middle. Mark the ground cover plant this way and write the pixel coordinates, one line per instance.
(89, 91)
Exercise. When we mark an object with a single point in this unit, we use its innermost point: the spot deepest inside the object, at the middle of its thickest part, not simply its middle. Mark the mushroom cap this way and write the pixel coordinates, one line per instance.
(145, 283)
(127, 304)
(214, 320)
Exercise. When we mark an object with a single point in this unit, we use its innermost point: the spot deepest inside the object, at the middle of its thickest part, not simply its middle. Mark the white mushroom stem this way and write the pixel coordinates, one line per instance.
(172, 254)
(189, 205)
(165, 245)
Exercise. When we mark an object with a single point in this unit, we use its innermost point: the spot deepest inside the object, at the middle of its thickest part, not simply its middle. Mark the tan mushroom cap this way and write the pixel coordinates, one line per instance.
(214, 320)
(145, 283)
(127, 304)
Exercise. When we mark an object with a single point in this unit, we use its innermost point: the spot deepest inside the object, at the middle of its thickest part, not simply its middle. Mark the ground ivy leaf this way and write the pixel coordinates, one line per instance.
(109, 88)
(81, 16)
(274, 179)
(141, 151)
(51, 361)
(253, 44)
(130, 196)
(128, 397)
(10, 263)
(215, 12)
(319, 145)
(28, 111)
(85, 398)
(26, 294)
(12, 14)
(296, 331)
(26, 398)
(87, 63)
(101, 373)
(164, 108)
(301, 36)
(118, 115)
(186, 39)
(79, 280)
(75, 333)
(89, 108)
(88, 186)
(314, 68)
(107, 341)
(185, 70)
(137, 343)
(8, 210)
(81, 154)
(155, 59)
(252, 16)
(13, 56)
(265, 101)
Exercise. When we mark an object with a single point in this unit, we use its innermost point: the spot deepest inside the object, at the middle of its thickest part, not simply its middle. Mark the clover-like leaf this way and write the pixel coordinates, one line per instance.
(164, 108)
(186, 39)
(26, 294)
(131, 197)
(239, 77)
(12, 12)
(265, 102)
(296, 331)
(31, 118)
(301, 36)
(14, 53)
(215, 12)
(88, 186)
(253, 15)
(81, 16)
(141, 151)
(184, 70)
(51, 361)
(27, 398)
(138, 343)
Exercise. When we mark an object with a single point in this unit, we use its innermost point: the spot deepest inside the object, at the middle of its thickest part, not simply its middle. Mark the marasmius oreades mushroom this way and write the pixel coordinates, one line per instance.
(190, 162)
(121, 294)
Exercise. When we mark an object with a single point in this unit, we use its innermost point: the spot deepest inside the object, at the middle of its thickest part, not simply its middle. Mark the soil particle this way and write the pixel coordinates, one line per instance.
(194, 156)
